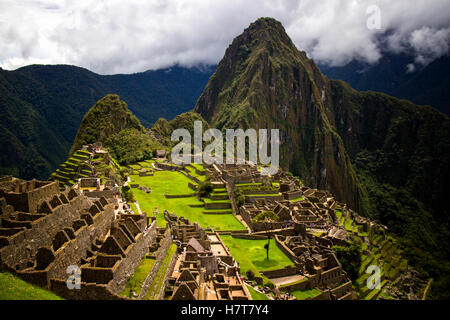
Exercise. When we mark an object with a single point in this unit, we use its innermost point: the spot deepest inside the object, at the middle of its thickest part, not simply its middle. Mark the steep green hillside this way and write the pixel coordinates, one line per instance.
(162, 129)
(41, 108)
(111, 123)
(13, 288)
(387, 158)
(107, 117)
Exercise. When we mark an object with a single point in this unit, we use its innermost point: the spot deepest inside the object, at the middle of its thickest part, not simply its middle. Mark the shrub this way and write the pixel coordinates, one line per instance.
(250, 275)
(269, 284)
(205, 188)
(239, 197)
(128, 194)
(266, 216)
(350, 259)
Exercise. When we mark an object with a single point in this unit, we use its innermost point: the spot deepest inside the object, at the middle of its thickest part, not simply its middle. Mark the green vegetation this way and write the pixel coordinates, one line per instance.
(162, 129)
(43, 105)
(134, 284)
(305, 294)
(13, 288)
(131, 146)
(251, 255)
(266, 216)
(175, 183)
(158, 280)
(350, 258)
(107, 117)
(257, 295)
(128, 194)
(72, 169)
(204, 189)
(394, 167)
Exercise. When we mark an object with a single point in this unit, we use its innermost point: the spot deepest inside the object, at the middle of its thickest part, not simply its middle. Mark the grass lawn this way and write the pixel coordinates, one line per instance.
(175, 183)
(257, 295)
(13, 288)
(304, 294)
(199, 167)
(137, 280)
(251, 255)
(193, 173)
(134, 207)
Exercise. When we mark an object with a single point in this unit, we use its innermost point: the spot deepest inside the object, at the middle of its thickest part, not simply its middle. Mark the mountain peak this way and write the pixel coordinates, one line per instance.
(108, 116)
(253, 68)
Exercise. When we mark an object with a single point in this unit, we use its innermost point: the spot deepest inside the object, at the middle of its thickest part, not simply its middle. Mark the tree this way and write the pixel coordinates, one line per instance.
(239, 197)
(350, 259)
(267, 217)
(205, 188)
(128, 194)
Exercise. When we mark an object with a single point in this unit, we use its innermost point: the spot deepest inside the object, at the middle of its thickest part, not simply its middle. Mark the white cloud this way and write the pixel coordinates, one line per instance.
(429, 44)
(116, 36)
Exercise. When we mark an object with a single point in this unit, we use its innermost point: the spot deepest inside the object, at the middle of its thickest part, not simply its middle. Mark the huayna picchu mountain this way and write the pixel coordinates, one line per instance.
(387, 158)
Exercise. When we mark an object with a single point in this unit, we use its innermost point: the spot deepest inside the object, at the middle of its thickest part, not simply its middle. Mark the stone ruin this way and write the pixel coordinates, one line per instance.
(205, 270)
(315, 259)
(43, 232)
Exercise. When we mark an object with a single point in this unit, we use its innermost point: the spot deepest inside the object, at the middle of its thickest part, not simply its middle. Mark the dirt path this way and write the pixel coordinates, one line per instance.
(138, 207)
(427, 289)
(286, 280)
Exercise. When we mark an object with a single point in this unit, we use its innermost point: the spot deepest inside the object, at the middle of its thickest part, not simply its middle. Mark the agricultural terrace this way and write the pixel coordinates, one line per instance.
(175, 183)
(14, 288)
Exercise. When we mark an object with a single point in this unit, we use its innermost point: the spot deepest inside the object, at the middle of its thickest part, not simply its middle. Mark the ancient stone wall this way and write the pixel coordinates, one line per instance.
(87, 291)
(23, 246)
(280, 244)
(133, 257)
(28, 195)
(279, 273)
(108, 194)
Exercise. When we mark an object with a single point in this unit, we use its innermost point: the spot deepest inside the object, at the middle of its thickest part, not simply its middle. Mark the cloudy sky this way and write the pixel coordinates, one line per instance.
(116, 36)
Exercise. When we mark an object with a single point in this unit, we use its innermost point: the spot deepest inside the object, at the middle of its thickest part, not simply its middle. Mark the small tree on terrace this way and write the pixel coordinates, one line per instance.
(267, 218)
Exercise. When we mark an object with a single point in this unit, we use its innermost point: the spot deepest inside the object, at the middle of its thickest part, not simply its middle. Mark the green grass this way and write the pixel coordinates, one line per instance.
(297, 199)
(158, 280)
(137, 280)
(175, 183)
(207, 200)
(251, 255)
(199, 167)
(257, 295)
(134, 207)
(13, 288)
(194, 174)
(305, 294)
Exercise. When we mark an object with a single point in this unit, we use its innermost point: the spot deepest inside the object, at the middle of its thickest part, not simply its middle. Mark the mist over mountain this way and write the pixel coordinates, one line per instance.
(396, 75)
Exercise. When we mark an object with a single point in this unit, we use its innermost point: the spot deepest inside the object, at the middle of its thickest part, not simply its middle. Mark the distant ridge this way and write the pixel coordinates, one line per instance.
(41, 108)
